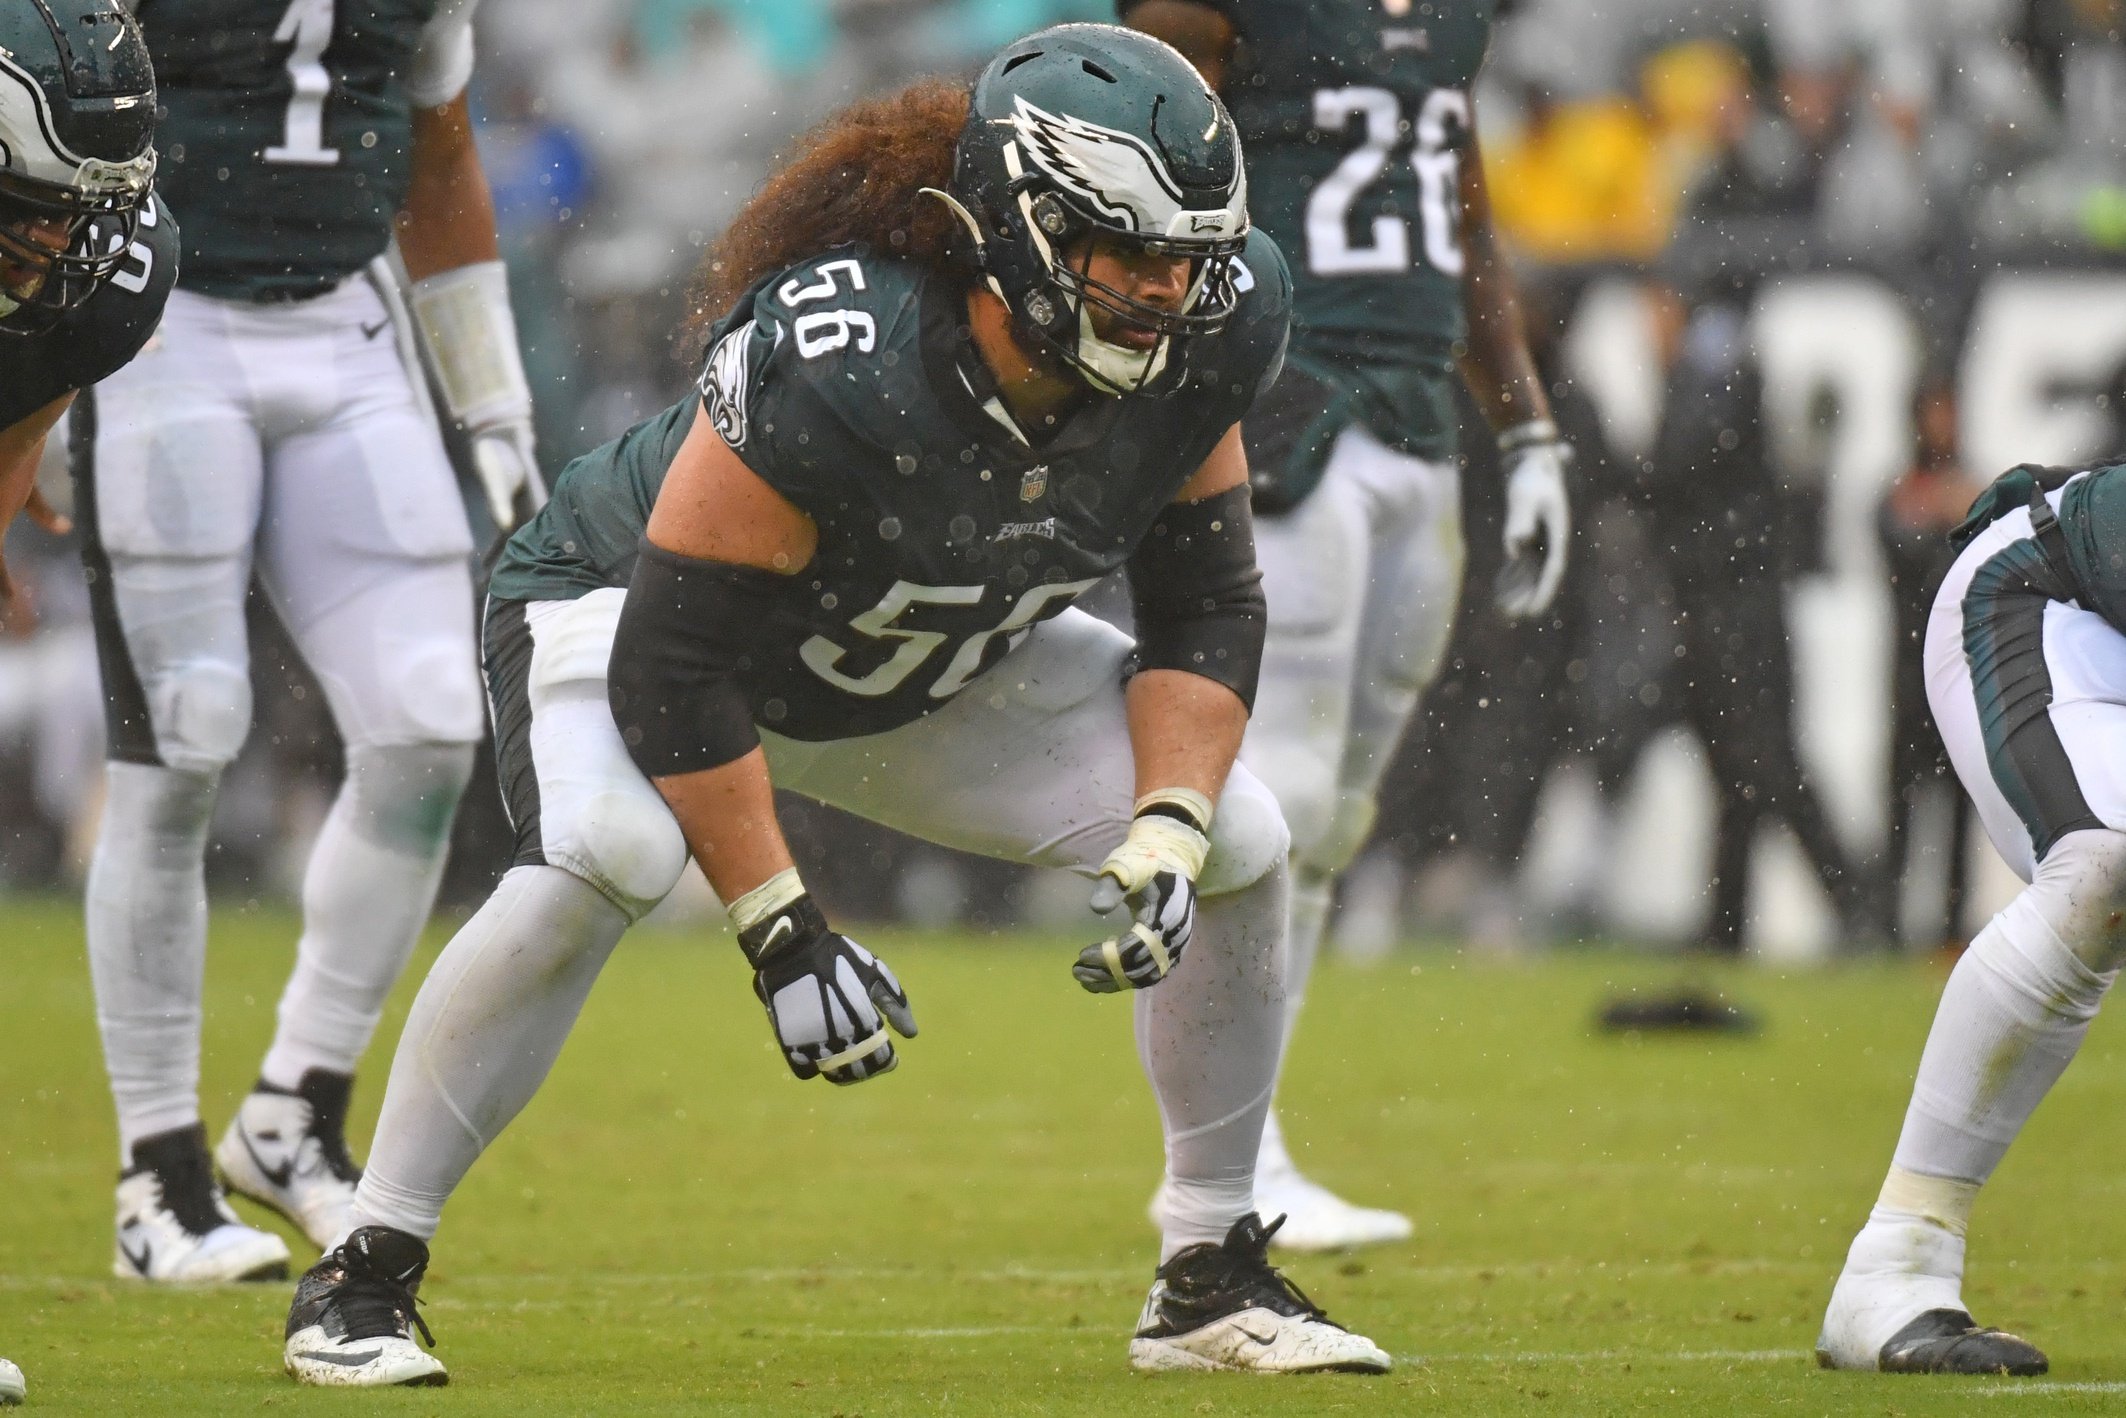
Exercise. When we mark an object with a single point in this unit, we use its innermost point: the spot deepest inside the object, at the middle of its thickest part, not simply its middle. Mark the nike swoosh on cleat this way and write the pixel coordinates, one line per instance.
(370, 332)
(345, 1361)
(138, 1262)
(1265, 1340)
(278, 1176)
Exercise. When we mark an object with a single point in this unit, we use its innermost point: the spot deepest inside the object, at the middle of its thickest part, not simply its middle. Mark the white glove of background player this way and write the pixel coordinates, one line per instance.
(509, 470)
(824, 993)
(1538, 518)
(1155, 871)
(464, 315)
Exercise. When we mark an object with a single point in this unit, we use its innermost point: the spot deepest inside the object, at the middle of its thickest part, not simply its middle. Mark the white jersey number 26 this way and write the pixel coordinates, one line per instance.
(1434, 156)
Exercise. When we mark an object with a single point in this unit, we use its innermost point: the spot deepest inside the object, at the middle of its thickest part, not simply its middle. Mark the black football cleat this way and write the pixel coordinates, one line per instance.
(1951, 1342)
(1226, 1307)
(354, 1316)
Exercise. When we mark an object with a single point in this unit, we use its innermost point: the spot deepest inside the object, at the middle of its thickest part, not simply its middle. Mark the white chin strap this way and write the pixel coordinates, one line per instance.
(1115, 369)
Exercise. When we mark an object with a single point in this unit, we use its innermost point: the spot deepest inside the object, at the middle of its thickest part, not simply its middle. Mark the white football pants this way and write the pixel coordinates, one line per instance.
(283, 440)
(1031, 763)
(1362, 579)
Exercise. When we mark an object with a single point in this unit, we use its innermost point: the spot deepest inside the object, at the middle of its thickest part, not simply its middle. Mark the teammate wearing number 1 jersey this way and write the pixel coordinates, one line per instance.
(274, 428)
(972, 353)
(1363, 163)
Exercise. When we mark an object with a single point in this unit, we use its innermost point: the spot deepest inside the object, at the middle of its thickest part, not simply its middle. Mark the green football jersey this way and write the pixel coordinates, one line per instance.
(285, 132)
(2093, 515)
(2092, 529)
(1354, 118)
(847, 383)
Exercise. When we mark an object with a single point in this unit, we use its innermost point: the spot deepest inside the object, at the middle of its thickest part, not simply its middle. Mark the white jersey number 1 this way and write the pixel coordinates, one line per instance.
(309, 24)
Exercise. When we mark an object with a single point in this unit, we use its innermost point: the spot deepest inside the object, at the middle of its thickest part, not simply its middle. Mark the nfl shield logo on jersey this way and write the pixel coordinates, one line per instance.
(1034, 483)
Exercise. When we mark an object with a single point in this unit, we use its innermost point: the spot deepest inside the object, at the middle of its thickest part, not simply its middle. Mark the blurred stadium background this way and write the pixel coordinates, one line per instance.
(1807, 270)
(1860, 239)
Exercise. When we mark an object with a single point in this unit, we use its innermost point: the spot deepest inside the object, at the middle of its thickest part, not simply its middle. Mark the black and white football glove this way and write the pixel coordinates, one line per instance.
(825, 994)
(1154, 871)
(1538, 518)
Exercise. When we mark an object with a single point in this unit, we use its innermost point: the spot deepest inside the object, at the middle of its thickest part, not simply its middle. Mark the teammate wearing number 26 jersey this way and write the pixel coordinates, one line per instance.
(1363, 164)
(274, 428)
(974, 352)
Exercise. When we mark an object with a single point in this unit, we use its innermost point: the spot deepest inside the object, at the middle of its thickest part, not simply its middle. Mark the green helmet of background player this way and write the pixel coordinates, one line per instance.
(1093, 130)
(77, 122)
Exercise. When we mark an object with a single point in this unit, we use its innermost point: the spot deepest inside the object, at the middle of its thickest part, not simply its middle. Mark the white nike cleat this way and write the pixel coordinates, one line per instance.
(175, 1228)
(354, 1316)
(1315, 1218)
(12, 1387)
(1226, 1307)
(288, 1152)
(1898, 1309)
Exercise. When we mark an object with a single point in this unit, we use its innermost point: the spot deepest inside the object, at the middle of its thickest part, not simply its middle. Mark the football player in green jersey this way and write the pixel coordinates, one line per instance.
(2026, 675)
(1362, 162)
(276, 426)
(970, 354)
(86, 253)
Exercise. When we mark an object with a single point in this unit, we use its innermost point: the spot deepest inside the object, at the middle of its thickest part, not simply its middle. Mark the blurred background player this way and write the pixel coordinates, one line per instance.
(87, 255)
(1361, 144)
(1912, 524)
(275, 428)
(2026, 674)
(848, 563)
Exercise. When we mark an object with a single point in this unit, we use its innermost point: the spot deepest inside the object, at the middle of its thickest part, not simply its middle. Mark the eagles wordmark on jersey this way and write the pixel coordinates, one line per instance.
(846, 384)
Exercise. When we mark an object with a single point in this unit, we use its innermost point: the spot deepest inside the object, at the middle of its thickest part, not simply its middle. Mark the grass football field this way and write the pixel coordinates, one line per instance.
(677, 1226)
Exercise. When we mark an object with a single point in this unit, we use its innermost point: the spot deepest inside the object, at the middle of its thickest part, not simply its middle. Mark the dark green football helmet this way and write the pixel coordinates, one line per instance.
(1097, 131)
(77, 123)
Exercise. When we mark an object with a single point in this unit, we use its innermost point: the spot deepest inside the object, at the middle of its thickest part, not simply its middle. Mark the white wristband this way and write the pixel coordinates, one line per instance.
(765, 899)
(1523, 435)
(464, 315)
(1195, 804)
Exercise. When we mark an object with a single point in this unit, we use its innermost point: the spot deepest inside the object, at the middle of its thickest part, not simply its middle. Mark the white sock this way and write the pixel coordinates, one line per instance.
(147, 937)
(2015, 1011)
(1209, 1037)
(1311, 892)
(371, 882)
(485, 1029)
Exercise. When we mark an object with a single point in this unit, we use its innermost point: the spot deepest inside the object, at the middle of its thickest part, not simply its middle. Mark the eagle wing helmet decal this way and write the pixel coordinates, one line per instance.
(1118, 175)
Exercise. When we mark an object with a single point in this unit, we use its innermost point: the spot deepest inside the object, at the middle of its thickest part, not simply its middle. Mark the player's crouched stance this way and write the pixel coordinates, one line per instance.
(919, 437)
(2026, 672)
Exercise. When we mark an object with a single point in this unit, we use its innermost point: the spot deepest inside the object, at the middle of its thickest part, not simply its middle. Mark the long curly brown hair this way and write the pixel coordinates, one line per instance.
(855, 178)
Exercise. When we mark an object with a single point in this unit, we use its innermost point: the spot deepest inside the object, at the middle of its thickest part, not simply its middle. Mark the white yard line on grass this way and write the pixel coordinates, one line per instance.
(1606, 1356)
(2021, 1389)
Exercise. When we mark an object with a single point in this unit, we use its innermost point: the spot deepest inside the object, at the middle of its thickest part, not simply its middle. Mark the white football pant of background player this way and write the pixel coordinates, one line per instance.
(1363, 579)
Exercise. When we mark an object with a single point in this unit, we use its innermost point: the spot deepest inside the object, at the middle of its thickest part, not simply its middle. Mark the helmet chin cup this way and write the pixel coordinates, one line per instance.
(1117, 369)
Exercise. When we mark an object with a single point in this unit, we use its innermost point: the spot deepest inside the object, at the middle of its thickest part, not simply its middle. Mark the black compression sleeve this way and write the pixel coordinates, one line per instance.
(1198, 593)
(677, 677)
